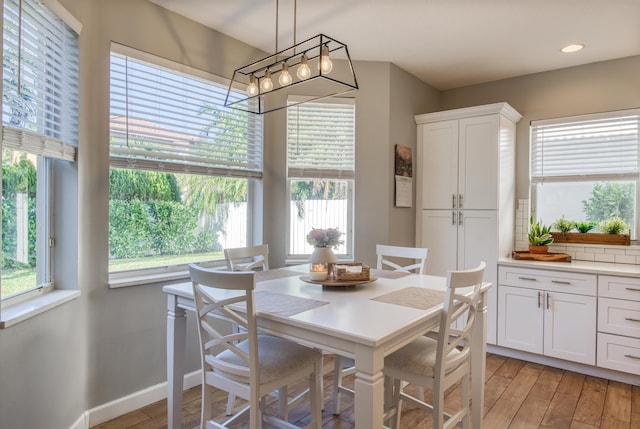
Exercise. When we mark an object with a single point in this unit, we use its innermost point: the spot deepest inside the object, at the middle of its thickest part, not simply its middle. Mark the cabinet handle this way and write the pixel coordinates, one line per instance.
(548, 300)
(632, 356)
(530, 279)
(560, 282)
(459, 218)
(453, 218)
(453, 201)
(539, 299)
(459, 201)
(631, 319)
(633, 289)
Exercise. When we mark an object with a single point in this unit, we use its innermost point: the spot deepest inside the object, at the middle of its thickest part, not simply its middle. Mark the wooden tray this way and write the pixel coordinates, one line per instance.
(547, 257)
(338, 283)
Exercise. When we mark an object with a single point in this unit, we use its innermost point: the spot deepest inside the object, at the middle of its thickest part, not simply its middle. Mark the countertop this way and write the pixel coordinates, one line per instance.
(605, 268)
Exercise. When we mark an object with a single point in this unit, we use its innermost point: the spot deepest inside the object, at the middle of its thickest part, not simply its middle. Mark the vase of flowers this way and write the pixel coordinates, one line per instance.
(323, 258)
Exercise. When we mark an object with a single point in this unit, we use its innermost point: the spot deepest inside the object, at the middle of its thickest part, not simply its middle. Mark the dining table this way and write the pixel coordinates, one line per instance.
(365, 321)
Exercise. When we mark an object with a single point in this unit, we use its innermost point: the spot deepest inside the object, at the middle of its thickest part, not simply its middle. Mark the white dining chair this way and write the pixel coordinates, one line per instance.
(413, 258)
(247, 364)
(343, 367)
(247, 258)
(438, 364)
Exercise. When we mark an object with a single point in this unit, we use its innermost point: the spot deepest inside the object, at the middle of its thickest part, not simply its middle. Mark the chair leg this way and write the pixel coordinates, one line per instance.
(337, 383)
(397, 403)
(466, 402)
(438, 406)
(283, 403)
(205, 408)
(231, 401)
(315, 396)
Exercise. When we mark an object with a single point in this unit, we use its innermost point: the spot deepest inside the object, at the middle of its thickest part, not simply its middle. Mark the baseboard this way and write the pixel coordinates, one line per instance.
(142, 398)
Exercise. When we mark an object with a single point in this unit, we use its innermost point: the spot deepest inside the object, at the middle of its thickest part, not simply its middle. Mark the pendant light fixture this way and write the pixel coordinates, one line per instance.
(317, 68)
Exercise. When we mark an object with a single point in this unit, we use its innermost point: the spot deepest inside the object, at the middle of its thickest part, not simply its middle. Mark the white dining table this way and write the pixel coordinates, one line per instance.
(357, 321)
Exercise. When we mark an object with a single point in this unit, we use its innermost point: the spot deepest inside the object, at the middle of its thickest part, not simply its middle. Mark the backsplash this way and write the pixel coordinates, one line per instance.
(579, 252)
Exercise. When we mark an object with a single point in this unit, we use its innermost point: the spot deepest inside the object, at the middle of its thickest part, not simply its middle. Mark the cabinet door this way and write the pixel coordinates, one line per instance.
(479, 162)
(570, 327)
(439, 164)
(477, 241)
(520, 319)
(439, 235)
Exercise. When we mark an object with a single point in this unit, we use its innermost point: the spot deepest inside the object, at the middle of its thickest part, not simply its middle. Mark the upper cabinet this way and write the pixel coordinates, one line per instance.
(462, 155)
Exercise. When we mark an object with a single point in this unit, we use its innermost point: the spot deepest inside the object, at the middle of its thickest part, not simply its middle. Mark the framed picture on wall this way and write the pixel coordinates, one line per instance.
(403, 176)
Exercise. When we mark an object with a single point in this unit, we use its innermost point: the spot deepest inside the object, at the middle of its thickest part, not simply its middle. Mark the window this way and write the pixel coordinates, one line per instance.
(321, 173)
(586, 168)
(39, 136)
(183, 167)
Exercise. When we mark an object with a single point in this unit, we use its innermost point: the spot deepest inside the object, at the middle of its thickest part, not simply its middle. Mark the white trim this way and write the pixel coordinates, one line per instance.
(139, 399)
(14, 314)
(587, 117)
(82, 422)
(62, 13)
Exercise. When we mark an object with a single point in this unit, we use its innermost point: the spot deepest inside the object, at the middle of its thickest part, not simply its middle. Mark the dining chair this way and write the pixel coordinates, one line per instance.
(343, 367)
(247, 258)
(413, 254)
(437, 364)
(246, 363)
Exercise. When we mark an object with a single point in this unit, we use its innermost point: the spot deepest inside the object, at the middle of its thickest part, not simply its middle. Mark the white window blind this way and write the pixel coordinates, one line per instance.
(40, 81)
(587, 148)
(321, 140)
(167, 120)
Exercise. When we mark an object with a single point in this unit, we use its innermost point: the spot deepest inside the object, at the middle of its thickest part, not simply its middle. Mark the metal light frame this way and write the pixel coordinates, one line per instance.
(339, 80)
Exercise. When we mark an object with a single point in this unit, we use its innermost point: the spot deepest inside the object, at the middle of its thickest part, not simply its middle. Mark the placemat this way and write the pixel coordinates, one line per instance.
(415, 297)
(388, 274)
(274, 274)
(284, 305)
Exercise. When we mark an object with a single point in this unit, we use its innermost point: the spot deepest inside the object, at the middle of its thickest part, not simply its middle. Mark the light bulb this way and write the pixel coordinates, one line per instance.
(285, 78)
(304, 72)
(266, 84)
(252, 89)
(325, 62)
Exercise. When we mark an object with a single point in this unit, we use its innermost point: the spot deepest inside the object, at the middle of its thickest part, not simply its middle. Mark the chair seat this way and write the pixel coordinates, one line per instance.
(277, 358)
(417, 357)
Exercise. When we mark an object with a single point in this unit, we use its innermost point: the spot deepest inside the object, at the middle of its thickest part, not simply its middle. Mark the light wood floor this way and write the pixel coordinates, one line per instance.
(518, 394)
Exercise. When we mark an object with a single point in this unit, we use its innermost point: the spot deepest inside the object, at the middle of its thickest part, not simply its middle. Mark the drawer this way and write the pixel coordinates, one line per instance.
(616, 316)
(619, 287)
(619, 353)
(556, 281)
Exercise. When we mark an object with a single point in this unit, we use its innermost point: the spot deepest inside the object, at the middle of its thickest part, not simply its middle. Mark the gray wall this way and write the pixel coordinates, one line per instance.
(111, 343)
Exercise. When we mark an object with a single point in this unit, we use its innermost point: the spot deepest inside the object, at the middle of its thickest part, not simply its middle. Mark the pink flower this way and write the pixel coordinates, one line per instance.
(329, 237)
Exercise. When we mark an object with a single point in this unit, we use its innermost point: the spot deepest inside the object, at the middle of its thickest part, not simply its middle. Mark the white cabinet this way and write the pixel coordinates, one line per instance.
(619, 323)
(548, 312)
(465, 191)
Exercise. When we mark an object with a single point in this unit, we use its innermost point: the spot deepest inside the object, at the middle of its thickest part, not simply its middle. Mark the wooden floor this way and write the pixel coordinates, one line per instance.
(518, 394)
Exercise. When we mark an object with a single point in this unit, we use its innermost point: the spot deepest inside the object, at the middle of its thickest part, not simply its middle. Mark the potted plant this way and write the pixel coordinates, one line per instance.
(539, 237)
(585, 227)
(614, 225)
(612, 231)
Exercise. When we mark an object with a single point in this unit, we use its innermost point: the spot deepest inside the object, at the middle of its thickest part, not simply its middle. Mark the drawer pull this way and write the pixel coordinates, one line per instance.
(539, 299)
(548, 301)
(631, 319)
(531, 279)
(633, 289)
(560, 282)
(632, 356)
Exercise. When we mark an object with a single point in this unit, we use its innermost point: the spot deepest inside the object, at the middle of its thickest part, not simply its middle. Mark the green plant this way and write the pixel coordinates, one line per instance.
(564, 225)
(539, 234)
(614, 225)
(585, 227)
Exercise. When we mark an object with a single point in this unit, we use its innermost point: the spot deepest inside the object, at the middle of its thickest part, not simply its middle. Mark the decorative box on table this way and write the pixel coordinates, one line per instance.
(351, 271)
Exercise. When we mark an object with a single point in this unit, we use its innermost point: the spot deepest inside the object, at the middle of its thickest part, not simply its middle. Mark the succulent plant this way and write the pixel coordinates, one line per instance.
(564, 225)
(539, 234)
(585, 227)
(614, 225)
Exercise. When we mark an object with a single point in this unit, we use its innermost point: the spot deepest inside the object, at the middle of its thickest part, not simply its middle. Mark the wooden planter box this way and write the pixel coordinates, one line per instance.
(591, 238)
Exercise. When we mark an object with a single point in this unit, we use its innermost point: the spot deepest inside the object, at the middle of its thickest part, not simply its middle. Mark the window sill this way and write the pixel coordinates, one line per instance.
(19, 312)
(145, 279)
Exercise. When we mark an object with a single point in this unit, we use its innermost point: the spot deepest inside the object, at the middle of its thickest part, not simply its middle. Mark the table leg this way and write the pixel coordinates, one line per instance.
(478, 362)
(369, 388)
(176, 344)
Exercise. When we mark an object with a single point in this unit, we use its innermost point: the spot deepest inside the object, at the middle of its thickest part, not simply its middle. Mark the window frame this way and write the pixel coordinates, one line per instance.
(327, 174)
(253, 177)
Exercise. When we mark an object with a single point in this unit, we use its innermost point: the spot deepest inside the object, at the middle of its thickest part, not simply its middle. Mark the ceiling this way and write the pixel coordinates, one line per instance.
(445, 43)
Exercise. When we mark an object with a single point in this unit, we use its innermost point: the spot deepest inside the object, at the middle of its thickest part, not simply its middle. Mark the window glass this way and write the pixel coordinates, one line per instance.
(586, 168)
(321, 172)
(183, 167)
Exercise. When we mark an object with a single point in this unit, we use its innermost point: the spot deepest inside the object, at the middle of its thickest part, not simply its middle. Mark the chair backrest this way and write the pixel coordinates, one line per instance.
(459, 310)
(247, 258)
(413, 253)
(214, 292)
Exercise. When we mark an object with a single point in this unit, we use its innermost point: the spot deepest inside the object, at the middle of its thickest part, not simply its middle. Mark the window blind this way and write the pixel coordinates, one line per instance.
(589, 148)
(40, 81)
(321, 140)
(166, 120)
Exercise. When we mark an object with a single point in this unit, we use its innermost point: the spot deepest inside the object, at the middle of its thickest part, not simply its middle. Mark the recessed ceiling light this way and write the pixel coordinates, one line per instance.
(572, 48)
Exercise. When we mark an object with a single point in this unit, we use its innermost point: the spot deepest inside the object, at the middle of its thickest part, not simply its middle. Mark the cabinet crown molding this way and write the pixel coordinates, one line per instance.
(503, 108)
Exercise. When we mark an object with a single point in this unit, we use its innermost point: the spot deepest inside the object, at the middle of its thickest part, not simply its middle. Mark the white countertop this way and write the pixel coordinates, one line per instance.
(606, 268)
